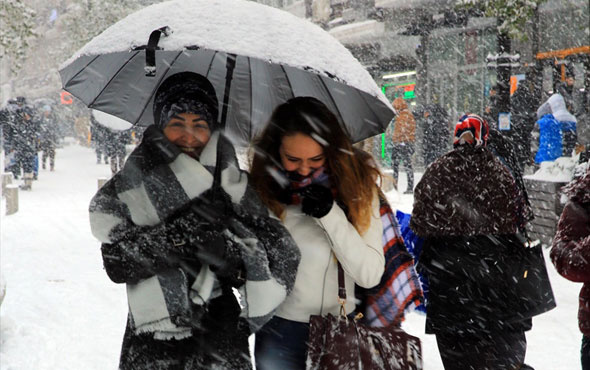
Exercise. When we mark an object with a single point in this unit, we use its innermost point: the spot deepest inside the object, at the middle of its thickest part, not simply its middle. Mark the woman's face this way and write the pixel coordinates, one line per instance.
(301, 153)
(189, 132)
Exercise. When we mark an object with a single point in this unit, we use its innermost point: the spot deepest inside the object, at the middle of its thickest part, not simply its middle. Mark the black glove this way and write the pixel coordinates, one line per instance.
(155, 139)
(223, 312)
(317, 200)
(214, 207)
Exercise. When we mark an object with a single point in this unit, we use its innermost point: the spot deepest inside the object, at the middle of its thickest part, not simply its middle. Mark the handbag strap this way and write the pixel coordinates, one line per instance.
(341, 289)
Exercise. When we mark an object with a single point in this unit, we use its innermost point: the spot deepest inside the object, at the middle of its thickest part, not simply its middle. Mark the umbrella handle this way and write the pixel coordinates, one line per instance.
(150, 50)
(230, 64)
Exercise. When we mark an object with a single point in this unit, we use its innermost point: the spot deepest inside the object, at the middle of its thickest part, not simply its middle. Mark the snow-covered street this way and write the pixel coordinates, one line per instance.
(62, 312)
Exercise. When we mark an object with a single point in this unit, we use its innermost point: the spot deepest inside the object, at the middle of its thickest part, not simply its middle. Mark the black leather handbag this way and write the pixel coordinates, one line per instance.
(528, 290)
(341, 342)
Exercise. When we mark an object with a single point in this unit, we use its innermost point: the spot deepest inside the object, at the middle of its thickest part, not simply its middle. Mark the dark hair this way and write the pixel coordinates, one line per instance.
(352, 175)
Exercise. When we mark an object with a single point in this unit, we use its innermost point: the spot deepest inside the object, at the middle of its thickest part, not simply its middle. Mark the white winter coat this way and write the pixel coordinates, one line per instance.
(322, 241)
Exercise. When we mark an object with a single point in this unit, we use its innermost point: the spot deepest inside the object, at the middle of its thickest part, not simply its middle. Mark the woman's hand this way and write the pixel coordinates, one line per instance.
(317, 200)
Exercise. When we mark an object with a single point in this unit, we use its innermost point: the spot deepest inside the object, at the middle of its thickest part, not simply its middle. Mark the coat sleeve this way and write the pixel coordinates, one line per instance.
(570, 252)
(130, 252)
(361, 257)
(281, 250)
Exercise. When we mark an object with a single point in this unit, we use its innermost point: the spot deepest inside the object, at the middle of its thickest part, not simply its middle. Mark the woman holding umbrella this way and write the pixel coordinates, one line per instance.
(180, 225)
(307, 172)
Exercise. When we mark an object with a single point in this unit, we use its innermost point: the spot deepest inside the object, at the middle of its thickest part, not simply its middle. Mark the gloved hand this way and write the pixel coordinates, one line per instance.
(231, 270)
(213, 207)
(157, 141)
(201, 242)
(223, 313)
(317, 200)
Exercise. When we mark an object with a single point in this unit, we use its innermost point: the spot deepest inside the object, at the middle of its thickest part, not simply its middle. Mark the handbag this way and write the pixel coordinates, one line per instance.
(528, 290)
(340, 342)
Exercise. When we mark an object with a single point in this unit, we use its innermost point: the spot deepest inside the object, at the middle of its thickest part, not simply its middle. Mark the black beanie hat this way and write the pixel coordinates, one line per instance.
(186, 92)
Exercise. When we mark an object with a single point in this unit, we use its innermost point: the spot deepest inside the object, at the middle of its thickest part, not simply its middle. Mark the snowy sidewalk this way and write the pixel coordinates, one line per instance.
(61, 312)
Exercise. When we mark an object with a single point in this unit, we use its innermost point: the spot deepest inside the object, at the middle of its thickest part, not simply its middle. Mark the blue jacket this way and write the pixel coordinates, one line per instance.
(549, 140)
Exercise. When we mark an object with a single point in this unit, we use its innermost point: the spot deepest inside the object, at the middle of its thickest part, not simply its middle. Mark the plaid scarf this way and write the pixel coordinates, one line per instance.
(399, 286)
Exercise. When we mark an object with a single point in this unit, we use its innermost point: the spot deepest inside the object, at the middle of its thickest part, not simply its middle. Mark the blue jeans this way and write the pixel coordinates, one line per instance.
(281, 344)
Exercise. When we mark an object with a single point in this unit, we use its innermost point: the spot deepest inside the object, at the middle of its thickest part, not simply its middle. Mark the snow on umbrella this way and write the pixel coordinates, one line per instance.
(255, 56)
(110, 121)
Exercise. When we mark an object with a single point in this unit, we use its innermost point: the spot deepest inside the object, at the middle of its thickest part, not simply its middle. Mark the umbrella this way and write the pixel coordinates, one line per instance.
(255, 56)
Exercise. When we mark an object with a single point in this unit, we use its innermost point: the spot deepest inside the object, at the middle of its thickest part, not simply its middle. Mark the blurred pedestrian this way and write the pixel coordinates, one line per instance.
(307, 172)
(570, 252)
(523, 121)
(436, 138)
(7, 122)
(403, 138)
(491, 110)
(567, 89)
(99, 140)
(24, 142)
(471, 214)
(115, 147)
(48, 137)
(180, 225)
(550, 134)
(82, 130)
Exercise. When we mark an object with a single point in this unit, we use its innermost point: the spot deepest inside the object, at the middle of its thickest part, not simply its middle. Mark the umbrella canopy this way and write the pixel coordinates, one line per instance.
(255, 56)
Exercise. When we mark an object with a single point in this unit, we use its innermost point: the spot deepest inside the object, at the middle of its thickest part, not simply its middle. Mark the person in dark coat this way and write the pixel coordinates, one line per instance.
(114, 147)
(24, 142)
(523, 121)
(98, 137)
(570, 252)
(435, 123)
(467, 208)
(48, 137)
(7, 120)
(182, 228)
(490, 113)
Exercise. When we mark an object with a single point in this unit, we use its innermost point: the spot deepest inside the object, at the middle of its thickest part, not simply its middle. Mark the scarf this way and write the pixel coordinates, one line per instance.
(297, 182)
(399, 286)
(154, 185)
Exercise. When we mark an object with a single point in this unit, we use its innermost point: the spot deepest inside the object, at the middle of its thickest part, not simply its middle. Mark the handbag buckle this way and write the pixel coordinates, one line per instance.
(342, 303)
(178, 242)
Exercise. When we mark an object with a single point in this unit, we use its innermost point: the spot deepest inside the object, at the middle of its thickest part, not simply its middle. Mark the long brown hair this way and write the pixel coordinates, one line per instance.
(352, 172)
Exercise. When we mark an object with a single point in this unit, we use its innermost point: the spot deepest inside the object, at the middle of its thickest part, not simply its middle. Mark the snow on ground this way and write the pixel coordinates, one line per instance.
(62, 312)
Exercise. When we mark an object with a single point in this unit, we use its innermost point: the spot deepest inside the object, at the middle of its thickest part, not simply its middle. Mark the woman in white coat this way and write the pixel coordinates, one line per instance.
(307, 172)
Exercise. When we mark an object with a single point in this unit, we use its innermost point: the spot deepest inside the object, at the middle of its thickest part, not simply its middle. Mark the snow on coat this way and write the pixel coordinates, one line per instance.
(570, 252)
(468, 191)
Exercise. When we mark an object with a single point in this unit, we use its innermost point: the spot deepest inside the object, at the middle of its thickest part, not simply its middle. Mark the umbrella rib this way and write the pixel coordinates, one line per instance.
(154, 90)
(335, 104)
(80, 71)
(288, 80)
(375, 115)
(215, 52)
(111, 79)
(251, 98)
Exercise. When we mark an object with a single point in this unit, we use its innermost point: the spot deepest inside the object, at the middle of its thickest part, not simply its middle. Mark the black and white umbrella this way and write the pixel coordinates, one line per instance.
(255, 56)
